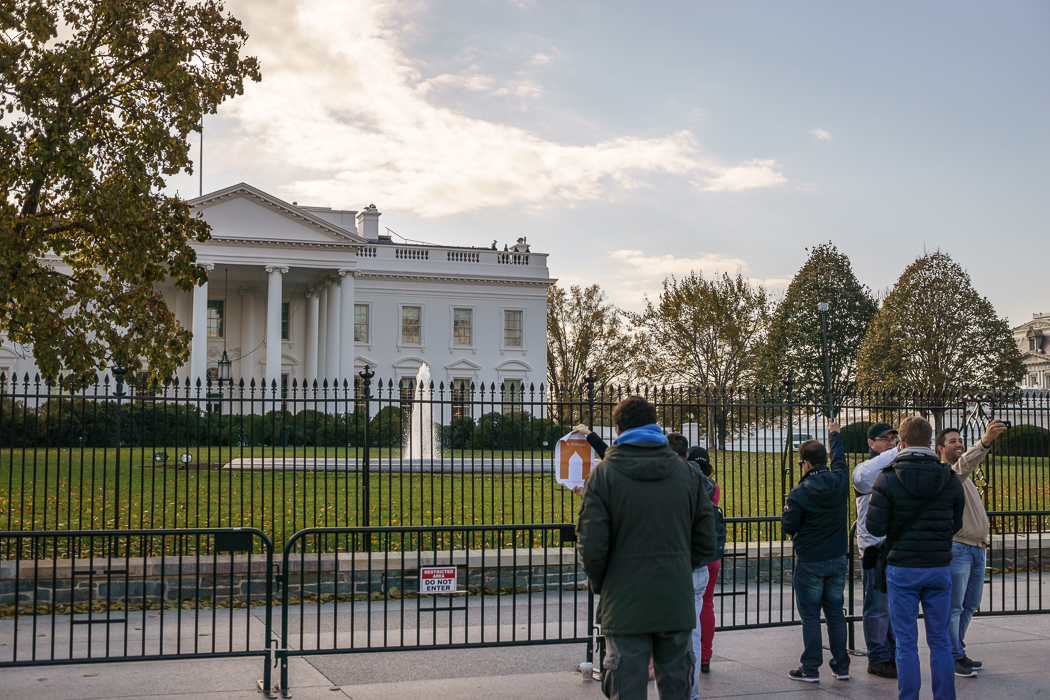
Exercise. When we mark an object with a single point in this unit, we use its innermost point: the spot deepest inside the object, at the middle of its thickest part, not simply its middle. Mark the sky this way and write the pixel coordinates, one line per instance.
(632, 140)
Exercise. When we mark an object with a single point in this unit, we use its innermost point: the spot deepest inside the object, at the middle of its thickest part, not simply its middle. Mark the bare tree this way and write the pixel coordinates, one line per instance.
(585, 332)
(706, 333)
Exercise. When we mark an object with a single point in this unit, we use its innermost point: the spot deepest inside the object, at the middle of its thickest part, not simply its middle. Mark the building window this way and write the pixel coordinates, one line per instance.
(460, 398)
(512, 395)
(512, 329)
(407, 390)
(410, 324)
(462, 322)
(1031, 343)
(284, 320)
(361, 323)
(216, 318)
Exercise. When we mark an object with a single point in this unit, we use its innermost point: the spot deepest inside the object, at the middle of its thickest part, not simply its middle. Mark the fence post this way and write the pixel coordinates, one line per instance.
(787, 466)
(366, 477)
(590, 379)
(118, 372)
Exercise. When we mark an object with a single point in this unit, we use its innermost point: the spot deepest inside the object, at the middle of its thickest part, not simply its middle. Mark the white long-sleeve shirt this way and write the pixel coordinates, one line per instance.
(864, 476)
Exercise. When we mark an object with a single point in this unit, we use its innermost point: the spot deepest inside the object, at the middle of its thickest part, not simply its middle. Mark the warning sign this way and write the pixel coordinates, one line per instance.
(437, 579)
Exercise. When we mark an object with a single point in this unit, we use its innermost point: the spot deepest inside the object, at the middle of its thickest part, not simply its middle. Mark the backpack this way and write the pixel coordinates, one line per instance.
(720, 520)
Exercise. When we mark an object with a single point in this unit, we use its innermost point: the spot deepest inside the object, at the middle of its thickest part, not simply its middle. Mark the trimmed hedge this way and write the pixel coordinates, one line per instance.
(855, 437)
(1024, 441)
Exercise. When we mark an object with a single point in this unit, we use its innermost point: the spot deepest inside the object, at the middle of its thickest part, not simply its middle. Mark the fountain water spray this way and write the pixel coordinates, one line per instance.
(421, 424)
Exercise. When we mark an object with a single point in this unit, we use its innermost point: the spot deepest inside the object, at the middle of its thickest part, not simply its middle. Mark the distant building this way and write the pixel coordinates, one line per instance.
(1033, 340)
(315, 293)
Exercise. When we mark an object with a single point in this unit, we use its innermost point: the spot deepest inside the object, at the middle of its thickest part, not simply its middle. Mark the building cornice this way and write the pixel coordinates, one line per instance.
(254, 242)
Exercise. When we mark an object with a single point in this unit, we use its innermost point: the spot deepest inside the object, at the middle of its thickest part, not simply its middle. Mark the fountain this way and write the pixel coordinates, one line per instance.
(421, 425)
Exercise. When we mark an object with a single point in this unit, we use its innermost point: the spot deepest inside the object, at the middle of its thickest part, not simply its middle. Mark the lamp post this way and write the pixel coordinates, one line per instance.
(823, 307)
(224, 373)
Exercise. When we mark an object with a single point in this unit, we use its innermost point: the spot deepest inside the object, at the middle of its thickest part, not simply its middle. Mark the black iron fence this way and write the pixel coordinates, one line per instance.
(375, 453)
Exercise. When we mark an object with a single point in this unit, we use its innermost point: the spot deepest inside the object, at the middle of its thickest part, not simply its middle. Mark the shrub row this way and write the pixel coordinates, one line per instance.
(81, 423)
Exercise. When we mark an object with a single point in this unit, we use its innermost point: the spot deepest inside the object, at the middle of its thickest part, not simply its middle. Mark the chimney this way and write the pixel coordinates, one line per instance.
(368, 223)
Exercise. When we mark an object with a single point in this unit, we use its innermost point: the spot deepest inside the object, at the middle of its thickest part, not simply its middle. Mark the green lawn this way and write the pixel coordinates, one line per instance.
(62, 489)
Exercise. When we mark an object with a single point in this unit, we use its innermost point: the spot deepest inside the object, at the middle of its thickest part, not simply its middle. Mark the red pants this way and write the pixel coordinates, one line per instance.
(707, 615)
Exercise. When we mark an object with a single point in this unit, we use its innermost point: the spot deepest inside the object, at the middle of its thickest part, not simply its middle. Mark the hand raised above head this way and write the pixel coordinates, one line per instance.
(834, 426)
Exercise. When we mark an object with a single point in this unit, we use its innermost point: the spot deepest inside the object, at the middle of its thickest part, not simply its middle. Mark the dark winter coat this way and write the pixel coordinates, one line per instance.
(915, 475)
(816, 513)
(645, 523)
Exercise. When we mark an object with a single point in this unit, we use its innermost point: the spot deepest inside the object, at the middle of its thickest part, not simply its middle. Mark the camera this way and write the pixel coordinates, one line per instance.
(1005, 422)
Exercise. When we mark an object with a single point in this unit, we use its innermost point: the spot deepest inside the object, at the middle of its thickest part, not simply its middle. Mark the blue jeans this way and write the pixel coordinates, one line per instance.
(701, 577)
(819, 586)
(932, 587)
(878, 632)
(967, 585)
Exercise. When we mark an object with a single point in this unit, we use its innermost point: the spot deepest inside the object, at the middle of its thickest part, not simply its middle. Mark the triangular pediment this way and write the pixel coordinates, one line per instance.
(242, 213)
(462, 366)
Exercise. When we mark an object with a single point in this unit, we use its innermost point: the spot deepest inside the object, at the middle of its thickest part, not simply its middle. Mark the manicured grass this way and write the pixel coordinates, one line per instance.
(63, 489)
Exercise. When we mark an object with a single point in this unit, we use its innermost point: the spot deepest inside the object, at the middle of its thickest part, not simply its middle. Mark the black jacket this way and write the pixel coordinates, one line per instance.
(816, 512)
(645, 523)
(914, 476)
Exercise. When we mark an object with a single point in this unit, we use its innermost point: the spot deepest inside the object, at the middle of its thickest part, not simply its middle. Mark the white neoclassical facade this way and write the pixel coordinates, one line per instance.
(1033, 340)
(312, 293)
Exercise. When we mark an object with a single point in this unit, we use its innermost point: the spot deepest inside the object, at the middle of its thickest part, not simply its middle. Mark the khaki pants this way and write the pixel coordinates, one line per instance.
(626, 672)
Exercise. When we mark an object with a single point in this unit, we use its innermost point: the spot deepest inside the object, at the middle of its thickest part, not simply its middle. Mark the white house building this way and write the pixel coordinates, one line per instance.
(312, 293)
(1033, 340)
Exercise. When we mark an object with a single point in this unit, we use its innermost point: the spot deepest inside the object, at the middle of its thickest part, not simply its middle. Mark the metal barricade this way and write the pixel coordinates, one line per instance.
(409, 588)
(74, 596)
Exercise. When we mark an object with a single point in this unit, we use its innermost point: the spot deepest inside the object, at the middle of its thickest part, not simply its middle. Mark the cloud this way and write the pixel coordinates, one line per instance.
(821, 135)
(753, 174)
(474, 83)
(345, 117)
(540, 59)
(629, 276)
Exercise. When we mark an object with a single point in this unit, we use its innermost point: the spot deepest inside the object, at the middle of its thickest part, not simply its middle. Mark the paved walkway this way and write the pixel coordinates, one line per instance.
(749, 664)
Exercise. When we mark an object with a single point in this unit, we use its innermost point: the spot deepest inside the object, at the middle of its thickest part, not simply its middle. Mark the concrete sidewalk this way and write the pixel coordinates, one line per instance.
(749, 664)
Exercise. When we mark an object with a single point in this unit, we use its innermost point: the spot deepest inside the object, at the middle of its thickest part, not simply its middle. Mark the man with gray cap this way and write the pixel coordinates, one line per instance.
(878, 632)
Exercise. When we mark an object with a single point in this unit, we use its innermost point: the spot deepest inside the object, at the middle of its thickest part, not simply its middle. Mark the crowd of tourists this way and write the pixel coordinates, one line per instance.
(650, 538)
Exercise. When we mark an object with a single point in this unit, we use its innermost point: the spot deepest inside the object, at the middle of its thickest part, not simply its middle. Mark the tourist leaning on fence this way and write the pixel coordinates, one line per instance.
(917, 504)
(968, 544)
(878, 632)
(644, 524)
(816, 518)
(699, 456)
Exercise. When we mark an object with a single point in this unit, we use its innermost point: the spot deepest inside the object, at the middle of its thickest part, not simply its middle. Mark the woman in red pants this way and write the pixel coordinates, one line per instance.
(707, 614)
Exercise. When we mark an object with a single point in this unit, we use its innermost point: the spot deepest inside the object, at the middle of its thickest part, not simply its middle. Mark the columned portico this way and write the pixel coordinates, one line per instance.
(246, 368)
(199, 346)
(322, 329)
(310, 360)
(332, 334)
(274, 298)
(346, 325)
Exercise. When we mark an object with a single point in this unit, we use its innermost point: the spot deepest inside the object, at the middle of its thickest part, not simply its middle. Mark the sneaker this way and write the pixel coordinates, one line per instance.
(963, 669)
(705, 666)
(883, 669)
(840, 675)
(976, 665)
(800, 674)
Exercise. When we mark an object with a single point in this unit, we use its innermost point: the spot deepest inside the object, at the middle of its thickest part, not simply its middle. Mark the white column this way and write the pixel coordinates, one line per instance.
(248, 359)
(199, 346)
(274, 297)
(346, 326)
(322, 328)
(331, 353)
(311, 336)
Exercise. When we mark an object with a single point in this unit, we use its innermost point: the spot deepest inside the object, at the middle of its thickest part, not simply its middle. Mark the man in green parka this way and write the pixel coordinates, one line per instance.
(645, 523)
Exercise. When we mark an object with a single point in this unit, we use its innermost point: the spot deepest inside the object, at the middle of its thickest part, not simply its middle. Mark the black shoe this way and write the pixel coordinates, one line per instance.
(883, 669)
(705, 666)
(800, 674)
(964, 670)
(976, 665)
(840, 675)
